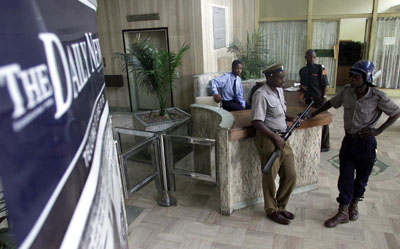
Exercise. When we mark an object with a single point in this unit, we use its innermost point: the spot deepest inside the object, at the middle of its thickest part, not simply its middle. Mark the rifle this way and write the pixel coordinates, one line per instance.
(275, 154)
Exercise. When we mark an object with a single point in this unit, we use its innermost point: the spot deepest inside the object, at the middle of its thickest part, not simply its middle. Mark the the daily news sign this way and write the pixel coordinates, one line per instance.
(57, 163)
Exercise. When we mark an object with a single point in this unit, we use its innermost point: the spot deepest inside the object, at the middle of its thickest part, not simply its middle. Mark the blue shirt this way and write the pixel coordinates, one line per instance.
(225, 84)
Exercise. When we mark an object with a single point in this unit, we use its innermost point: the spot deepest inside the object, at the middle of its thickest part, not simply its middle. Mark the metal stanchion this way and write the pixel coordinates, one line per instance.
(166, 200)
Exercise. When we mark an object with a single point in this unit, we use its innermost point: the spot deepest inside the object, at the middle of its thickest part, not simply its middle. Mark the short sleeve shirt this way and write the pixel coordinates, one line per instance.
(270, 107)
(364, 112)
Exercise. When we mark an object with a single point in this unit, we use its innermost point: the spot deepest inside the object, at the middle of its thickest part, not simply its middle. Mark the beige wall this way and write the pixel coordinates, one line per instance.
(385, 5)
(352, 29)
(210, 54)
(110, 36)
(188, 21)
(243, 19)
(240, 20)
(329, 7)
(283, 8)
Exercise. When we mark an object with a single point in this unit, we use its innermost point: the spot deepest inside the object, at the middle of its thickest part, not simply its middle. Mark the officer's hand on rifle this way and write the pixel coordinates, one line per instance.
(279, 141)
(307, 116)
(301, 121)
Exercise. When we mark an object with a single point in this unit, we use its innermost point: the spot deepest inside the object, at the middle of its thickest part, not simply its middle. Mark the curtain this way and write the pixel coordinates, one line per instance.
(325, 36)
(387, 52)
(287, 42)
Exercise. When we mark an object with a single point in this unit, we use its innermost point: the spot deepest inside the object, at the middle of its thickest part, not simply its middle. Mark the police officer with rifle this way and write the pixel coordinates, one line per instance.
(269, 117)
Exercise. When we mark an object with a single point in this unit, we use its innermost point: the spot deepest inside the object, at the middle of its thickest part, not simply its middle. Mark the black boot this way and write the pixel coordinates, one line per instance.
(341, 217)
(353, 209)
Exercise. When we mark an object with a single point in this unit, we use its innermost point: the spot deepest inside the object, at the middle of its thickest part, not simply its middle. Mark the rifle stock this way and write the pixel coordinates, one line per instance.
(275, 154)
(271, 160)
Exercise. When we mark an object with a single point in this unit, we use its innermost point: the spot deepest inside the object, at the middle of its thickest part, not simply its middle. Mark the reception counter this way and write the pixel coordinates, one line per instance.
(238, 163)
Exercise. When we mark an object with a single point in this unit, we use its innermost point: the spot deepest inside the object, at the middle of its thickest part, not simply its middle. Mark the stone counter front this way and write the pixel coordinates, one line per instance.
(238, 163)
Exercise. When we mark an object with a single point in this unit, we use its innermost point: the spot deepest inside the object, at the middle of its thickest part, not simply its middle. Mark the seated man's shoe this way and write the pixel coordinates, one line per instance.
(278, 218)
(324, 149)
(287, 214)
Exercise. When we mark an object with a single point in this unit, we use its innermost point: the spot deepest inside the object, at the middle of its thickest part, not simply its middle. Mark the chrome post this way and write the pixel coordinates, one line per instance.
(166, 200)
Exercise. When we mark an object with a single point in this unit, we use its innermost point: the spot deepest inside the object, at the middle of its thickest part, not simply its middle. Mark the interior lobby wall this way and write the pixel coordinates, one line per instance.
(110, 34)
(188, 21)
(182, 18)
(211, 55)
(352, 29)
(243, 19)
(282, 8)
(240, 20)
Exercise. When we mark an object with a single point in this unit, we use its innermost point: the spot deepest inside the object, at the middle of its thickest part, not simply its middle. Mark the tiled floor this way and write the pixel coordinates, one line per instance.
(196, 223)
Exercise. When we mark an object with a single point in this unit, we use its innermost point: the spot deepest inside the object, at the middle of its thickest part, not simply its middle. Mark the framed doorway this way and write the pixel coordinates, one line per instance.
(353, 46)
(139, 99)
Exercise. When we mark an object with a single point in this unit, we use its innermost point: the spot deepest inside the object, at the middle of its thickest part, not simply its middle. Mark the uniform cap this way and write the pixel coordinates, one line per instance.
(277, 68)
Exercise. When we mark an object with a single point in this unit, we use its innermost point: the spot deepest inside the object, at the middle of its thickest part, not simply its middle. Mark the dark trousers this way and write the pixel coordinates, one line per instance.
(232, 105)
(325, 137)
(359, 155)
(325, 129)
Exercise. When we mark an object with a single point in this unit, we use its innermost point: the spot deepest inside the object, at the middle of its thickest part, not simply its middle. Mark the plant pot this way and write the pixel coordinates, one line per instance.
(151, 121)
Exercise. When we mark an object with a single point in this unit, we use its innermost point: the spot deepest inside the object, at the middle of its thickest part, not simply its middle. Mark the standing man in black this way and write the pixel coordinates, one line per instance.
(314, 84)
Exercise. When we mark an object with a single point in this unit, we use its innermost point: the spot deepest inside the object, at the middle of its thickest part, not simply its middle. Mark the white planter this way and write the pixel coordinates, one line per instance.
(140, 122)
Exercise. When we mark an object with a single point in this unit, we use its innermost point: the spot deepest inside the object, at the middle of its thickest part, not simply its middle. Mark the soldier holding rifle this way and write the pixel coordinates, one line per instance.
(269, 117)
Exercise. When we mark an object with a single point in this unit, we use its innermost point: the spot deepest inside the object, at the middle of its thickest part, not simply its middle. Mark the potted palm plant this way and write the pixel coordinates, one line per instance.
(154, 70)
(254, 55)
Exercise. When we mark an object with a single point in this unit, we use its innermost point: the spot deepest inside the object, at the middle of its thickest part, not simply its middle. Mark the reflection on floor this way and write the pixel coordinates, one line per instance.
(132, 213)
(196, 222)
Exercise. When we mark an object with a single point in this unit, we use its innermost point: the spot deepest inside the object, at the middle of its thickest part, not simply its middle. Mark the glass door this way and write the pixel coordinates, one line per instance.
(158, 37)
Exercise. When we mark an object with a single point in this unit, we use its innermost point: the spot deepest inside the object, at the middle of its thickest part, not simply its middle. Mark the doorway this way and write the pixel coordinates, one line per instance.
(352, 47)
(140, 99)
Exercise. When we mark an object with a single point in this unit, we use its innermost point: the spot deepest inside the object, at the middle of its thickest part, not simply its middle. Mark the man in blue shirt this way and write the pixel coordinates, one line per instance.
(230, 89)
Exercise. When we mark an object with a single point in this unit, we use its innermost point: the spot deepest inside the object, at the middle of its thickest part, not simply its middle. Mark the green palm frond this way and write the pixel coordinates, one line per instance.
(154, 69)
(254, 55)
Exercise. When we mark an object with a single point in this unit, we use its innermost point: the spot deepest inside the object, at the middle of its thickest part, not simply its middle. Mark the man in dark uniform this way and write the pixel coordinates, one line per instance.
(314, 84)
(269, 117)
(363, 105)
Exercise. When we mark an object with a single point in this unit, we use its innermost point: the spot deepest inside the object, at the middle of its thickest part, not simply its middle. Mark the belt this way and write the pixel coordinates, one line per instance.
(353, 136)
(279, 132)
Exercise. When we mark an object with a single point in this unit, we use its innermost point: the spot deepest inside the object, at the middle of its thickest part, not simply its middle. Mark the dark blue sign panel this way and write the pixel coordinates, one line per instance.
(53, 115)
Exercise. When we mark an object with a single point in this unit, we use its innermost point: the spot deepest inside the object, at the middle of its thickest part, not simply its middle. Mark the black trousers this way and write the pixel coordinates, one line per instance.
(325, 129)
(231, 105)
(359, 155)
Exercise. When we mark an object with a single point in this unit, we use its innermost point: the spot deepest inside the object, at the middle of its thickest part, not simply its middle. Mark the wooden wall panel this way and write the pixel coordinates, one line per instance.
(110, 35)
(187, 21)
(243, 19)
